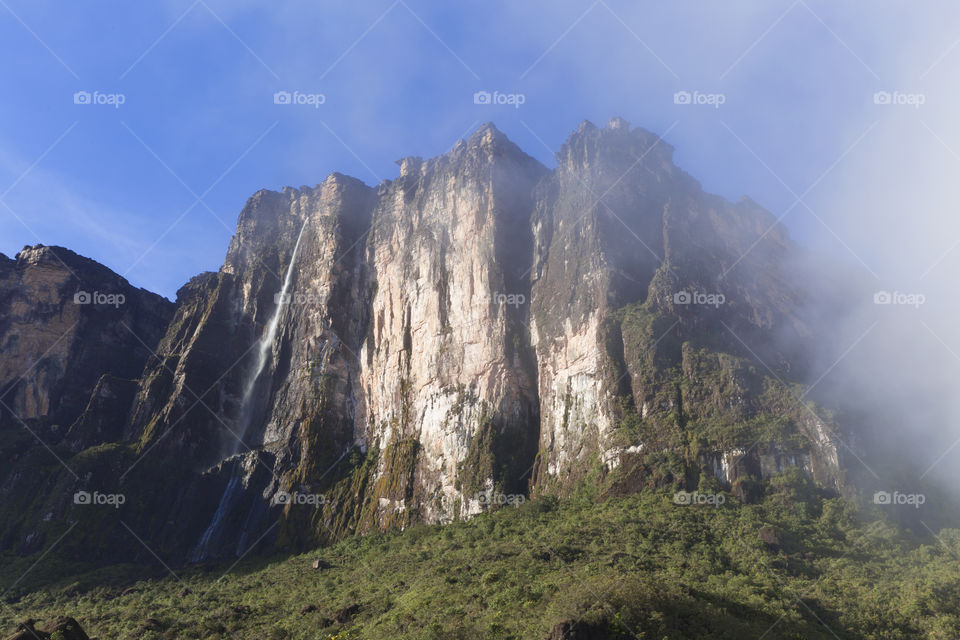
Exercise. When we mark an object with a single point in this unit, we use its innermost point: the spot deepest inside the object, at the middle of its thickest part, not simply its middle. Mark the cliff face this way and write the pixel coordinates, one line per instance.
(64, 322)
(446, 365)
(74, 336)
(366, 358)
(636, 270)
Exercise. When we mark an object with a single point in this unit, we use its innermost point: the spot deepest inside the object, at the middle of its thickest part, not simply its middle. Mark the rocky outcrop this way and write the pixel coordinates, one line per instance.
(64, 322)
(106, 413)
(579, 630)
(447, 362)
(657, 310)
(73, 337)
(63, 628)
(420, 351)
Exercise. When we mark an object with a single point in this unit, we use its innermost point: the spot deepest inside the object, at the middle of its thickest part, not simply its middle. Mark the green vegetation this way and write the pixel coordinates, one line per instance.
(689, 397)
(799, 563)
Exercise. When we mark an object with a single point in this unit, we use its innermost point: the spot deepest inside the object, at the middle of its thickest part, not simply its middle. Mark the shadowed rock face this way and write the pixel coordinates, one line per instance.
(64, 628)
(479, 327)
(64, 322)
(74, 337)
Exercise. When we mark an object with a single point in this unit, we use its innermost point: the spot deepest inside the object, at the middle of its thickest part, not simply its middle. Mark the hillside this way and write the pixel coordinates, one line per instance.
(796, 565)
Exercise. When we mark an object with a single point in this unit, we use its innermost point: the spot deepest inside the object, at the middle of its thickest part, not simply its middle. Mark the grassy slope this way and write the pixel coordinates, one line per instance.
(638, 565)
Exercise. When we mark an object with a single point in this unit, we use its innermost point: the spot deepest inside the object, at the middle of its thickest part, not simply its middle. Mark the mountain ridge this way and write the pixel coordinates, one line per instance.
(480, 326)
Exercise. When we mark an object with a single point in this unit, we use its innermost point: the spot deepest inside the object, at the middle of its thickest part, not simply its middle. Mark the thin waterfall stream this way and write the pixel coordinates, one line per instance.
(266, 344)
(235, 486)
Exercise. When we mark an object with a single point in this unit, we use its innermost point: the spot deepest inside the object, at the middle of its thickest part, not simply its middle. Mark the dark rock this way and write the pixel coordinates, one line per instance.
(68, 628)
(236, 611)
(346, 614)
(153, 624)
(577, 630)
(104, 416)
(769, 536)
(63, 628)
(66, 324)
(747, 490)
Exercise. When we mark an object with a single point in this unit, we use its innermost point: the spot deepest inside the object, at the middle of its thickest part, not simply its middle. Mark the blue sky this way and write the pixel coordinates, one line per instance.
(152, 187)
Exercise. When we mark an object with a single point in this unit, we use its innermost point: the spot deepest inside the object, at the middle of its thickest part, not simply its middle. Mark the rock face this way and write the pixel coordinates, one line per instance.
(419, 351)
(629, 267)
(74, 337)
(64, 322)
(446, 368)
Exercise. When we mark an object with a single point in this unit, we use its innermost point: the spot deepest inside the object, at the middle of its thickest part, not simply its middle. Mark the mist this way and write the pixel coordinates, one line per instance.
(841, 122)
(887, 212)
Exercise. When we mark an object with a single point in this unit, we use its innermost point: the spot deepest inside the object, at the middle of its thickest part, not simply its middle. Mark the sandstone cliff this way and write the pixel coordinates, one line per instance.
(368, 357)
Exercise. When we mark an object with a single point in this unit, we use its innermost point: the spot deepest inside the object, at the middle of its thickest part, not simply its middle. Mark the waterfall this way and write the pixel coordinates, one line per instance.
(266, 343)
(234, 489)
(202, 550)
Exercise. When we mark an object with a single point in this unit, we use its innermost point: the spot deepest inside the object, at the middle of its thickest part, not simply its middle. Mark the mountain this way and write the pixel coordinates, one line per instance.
(478, 330)
(74, 337)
